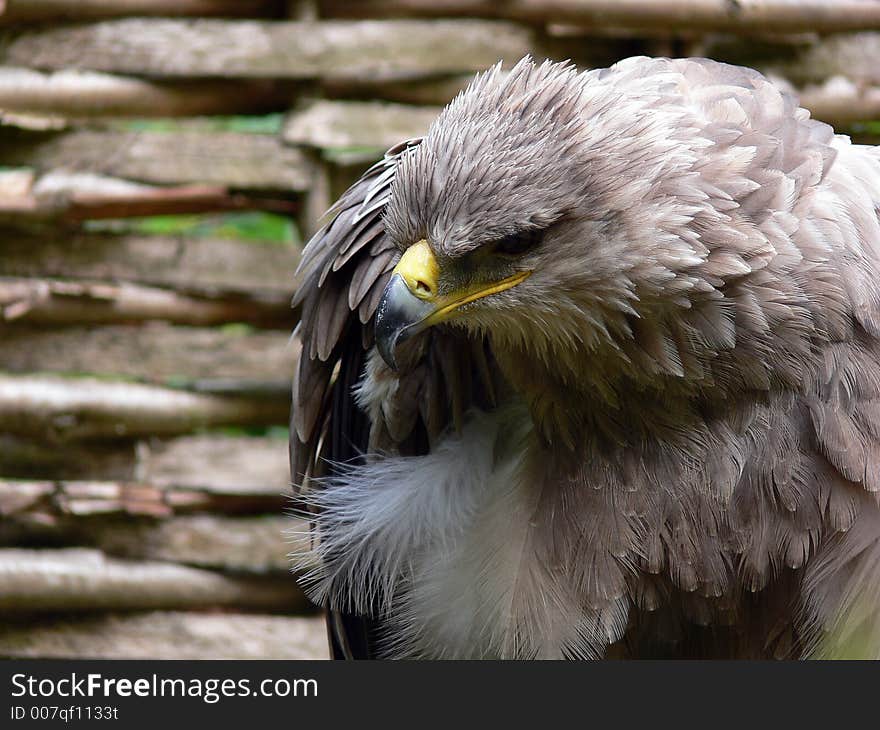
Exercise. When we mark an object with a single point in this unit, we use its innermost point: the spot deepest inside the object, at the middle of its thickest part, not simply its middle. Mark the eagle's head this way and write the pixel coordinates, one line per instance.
(554, 211)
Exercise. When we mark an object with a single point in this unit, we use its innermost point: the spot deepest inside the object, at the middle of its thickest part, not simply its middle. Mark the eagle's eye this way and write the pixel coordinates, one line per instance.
(519, 243)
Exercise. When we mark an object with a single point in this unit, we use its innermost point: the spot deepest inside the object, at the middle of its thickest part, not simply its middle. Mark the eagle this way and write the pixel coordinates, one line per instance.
(592, 370)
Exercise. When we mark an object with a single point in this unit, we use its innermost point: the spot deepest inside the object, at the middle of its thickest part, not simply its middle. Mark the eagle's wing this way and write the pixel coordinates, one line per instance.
(340, 280)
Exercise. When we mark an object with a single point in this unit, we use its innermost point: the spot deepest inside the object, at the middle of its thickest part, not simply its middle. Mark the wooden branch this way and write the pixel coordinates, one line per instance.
(37, 510)
(221, 465)
(88, 94)
(170, 201)
(27, 11)
(206, 471)
(23, 457)
(22, 497)
(211, 267)
(783, 16)
(802, 60)
(285, 50)
(78, 207)
(44, 502)
(140, 522)
(423, 92)
(167, 635)
(40, 505)
(329, 124)
(838, 101)
(155, 352)
(88, 408)
(250, 544)
(855, 56)
(231, 159)
(62, 197)
(80, 579)
(246, 544)
(57, 302)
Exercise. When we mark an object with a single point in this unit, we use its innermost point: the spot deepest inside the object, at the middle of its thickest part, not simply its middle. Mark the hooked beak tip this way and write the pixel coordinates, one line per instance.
(386, 347)
(398, 317)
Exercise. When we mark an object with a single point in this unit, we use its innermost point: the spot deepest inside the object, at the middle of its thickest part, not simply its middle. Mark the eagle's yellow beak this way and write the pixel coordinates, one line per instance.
(412, 302)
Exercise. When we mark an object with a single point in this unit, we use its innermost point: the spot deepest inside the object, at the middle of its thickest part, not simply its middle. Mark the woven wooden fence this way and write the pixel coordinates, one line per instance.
(144, 334)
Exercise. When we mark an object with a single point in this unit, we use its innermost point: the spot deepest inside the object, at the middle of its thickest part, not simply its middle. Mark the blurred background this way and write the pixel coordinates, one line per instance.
(161, 163)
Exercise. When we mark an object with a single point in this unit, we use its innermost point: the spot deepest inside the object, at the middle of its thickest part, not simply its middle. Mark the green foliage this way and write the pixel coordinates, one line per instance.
(255, 226)
(237, 329)
(274, 432)
(262, 124)
(352, 155)
(868, 127)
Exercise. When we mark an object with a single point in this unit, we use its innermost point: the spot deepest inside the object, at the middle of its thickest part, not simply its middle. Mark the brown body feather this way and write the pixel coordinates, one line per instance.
(698, 352)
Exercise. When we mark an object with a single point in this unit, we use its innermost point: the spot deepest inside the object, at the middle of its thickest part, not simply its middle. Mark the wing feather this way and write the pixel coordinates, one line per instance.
(342, 264)
(340, 280)
(334, 276)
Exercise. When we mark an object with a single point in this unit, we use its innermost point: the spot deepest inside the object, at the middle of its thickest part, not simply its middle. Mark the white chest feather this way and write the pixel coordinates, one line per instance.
(445, 545)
